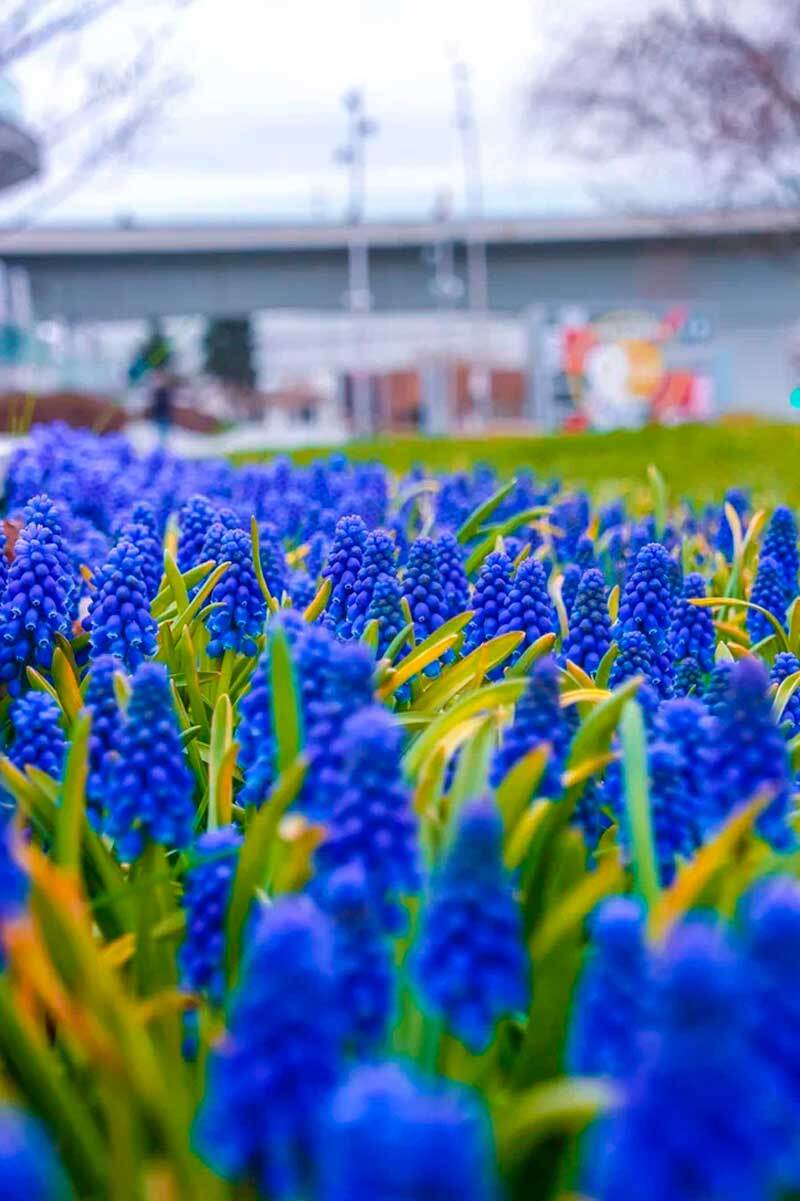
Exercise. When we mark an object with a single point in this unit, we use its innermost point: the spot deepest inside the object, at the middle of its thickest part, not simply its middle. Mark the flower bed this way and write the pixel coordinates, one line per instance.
(370, 838)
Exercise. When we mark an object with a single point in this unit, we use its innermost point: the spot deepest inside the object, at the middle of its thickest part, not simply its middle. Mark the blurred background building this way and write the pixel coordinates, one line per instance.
(636, 266)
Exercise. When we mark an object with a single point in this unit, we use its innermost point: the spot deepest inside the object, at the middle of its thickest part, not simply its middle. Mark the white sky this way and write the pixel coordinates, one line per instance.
(254, 135)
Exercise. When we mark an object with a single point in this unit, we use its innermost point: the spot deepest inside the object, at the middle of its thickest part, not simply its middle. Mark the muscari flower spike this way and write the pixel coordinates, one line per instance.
(770, 919)
(638, 657)
(749, 753)
(589, 634)
(784, 665)
(119, 619)
(538, 719)
(342, 567)
(423, 588)
(362, 959)
(195, 517)
(29, 1167)
(235, 625)
(693, 1123)
(489, 598)
(768, 591)
(646, 599)
(36, 604)
(609, 1009)
(392, 1134)
(470, 962)
(275, 1075)
(691, 631)
(379, 559)
(272, 559)
(780, 544)
(454, 577)
(107, 720)
(39, 738)
(386, 608)
(141, 529)
(205, 899)
(569, 585)
(371, 821)
(150, 786)
(528, 606)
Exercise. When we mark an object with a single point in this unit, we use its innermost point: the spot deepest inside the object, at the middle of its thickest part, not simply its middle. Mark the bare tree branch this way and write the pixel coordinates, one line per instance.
(102, 104)
(719, 80)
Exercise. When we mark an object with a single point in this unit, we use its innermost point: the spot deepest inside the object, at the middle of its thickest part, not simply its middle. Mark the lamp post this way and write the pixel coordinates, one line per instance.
(352, 155)
(477, 267)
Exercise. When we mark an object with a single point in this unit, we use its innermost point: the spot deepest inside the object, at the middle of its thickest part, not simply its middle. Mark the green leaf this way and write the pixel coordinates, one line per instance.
(63, 1104)
(495, 534)
(477, 517)
(637, 802)
(734, 602)
(659, 488)
(603, 673)
(193, 608)
(254, 858)
(595, 731)
(483, 700)
(561, 1106)
(471, 670)
(222, 752)
(472, 773)
(67, 687)
(785, 692)
(255, 537)
(176, 582)
(319, 602)
(285, 700)
(415, 662)
(518, 787)
(537, 650)
(72, 810)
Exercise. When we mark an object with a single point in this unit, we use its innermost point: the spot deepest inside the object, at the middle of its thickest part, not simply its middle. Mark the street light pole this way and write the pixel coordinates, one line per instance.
(477, 267)
(359, 300)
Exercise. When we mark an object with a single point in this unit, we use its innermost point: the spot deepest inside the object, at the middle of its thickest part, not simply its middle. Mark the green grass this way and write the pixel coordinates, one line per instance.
(697, 461)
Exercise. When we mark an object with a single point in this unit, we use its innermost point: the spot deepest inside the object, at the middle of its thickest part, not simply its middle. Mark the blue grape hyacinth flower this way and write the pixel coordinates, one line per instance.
(691, 631)
(392, 1134)
(343, 565)
(489, 598)
(36, 604)
(206, 894)
(371, 820)
(280, 1057)
(380, 552)
(107, 721)
(119, 619)
(39, 738)
(749, 753)
(362, 959)
(646, 599)
(610, 1005)
(768, 591)
(423, 588)
(238, 621)
(693, 1124)
(29, 1167)
(780, 544)
(589, 634)
(538, 719)
(150, 785)
(470, 962)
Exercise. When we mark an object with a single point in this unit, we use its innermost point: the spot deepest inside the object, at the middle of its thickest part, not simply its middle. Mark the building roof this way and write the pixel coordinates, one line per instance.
(235, 238)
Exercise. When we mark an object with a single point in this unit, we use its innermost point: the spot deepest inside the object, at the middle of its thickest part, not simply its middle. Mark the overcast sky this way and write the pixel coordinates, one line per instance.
(254, 134)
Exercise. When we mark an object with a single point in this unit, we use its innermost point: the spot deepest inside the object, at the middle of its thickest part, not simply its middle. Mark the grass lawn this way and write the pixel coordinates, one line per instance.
(697, 461)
